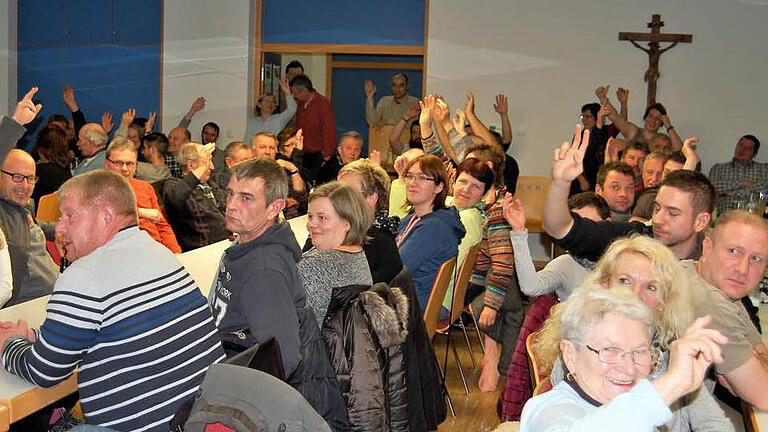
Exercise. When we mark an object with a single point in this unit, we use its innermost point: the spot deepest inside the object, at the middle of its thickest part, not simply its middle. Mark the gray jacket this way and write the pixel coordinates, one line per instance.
(34, 271)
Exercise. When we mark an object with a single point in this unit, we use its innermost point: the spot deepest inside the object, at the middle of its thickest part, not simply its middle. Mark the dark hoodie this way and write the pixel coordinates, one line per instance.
(258, 295)
(433, 241)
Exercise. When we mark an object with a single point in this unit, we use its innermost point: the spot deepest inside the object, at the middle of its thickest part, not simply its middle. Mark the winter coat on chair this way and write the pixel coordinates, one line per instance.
(365, 329)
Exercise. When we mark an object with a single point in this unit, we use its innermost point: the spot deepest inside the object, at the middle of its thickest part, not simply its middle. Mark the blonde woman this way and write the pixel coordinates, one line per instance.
(655, 276)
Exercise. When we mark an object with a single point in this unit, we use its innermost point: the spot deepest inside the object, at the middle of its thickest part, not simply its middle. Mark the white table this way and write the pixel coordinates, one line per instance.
(19, 398)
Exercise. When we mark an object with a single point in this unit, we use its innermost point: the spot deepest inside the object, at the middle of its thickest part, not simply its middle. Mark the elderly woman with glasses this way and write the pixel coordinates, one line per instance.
(648, 269)
(606, 346)
(429, 235)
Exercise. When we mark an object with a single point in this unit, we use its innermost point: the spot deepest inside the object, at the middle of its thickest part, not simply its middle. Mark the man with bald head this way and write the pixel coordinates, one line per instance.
(92, 142)
(34, 271)
(177, 137)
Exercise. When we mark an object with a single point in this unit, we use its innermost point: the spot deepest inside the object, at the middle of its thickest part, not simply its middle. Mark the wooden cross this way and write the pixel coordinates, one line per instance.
(654, 52)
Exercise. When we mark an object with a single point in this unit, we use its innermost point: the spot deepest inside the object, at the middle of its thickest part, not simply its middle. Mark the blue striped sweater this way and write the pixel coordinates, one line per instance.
(134, 323)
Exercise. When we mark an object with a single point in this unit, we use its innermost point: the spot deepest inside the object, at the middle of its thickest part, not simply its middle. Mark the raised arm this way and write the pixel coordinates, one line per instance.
(502, 108)
(478, 128)
(532, 283)
(677, 143)
(627, 128)
(197, 105)
(290, 104)
(397, 131)
(567, 165)
(372, 116)
(622, 95)
(689, 151)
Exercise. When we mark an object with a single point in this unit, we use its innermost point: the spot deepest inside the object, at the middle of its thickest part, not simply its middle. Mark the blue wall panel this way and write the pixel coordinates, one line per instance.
(348, 96)
(42, 67)
(40, 22)
(110, 54)
(88, 21)
(137, 22)
(366, 22)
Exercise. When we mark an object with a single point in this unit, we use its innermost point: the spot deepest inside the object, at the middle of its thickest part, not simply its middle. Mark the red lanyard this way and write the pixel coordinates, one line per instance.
(414, 220)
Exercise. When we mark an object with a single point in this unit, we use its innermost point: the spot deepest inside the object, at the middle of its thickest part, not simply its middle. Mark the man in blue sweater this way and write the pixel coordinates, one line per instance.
(125, 314)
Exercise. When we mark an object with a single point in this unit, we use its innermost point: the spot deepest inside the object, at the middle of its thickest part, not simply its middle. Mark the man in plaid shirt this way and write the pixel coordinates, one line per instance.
(735, 180)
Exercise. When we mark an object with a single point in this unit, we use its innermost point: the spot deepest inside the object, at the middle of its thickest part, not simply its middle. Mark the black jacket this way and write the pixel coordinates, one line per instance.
(426, 405)
(365, 330)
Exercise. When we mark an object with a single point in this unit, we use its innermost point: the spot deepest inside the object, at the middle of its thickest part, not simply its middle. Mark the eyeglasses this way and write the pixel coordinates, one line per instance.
(122, 163)
(614, 355)
(419, 178)
(18, 178)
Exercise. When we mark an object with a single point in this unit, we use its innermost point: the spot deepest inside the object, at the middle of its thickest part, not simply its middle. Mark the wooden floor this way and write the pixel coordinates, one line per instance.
(476, 412)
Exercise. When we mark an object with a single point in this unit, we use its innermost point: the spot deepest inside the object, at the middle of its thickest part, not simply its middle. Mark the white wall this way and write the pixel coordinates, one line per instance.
(548, 56)
(207, 53)
(7, 56)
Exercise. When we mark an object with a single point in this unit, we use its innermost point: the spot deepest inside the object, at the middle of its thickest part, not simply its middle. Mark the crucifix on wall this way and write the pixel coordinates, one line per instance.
(654, 50)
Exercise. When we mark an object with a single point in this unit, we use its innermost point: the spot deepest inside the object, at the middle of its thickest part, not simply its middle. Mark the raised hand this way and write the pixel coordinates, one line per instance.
(605, 111)
(412, 111)
(427, 105)
(569, 158)
(501, 106)
(370, 89)
(611, 151)
(106, 122)
(127, 117)
(514, 213)
(602, 93)
(150, 122)
(197, 105)
(459, 122)
(69, 98)
(469, 107)
(285, 85)
(299, 139)
(689, 146)
(441, 111)
(622, 95)
(26, 110)
(691, 355)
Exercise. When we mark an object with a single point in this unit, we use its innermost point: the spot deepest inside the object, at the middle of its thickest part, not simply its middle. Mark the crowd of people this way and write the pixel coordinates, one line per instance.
(649, 295)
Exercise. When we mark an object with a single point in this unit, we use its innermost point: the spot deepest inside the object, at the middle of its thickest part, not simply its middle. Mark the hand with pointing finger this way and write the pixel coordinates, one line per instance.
(26, 110)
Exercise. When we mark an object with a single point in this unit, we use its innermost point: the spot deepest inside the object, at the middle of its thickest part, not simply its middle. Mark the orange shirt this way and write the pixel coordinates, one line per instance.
(160, 231)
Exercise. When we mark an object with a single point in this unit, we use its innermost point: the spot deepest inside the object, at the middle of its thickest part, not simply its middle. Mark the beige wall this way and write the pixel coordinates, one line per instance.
(548, 57)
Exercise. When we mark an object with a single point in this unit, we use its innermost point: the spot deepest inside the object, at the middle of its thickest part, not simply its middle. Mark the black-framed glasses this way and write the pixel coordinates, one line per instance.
(18, 178)
(121, 164)
(614, 355)
(419, 178)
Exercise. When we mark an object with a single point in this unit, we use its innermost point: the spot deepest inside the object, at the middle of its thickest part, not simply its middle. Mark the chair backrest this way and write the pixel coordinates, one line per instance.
(435, 302)
(543, 386)
(461, 282)
(48, 208)
(378, 139)
(750, 419)
(532, 191)
(533, 365)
